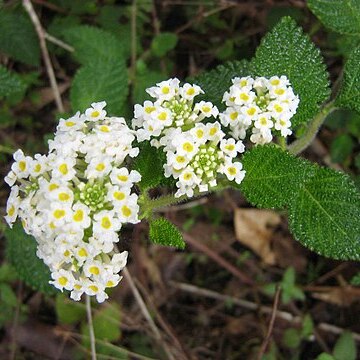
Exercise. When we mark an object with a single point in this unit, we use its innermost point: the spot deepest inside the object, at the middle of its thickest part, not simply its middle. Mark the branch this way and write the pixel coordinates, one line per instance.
(45, 53)
(303, 142)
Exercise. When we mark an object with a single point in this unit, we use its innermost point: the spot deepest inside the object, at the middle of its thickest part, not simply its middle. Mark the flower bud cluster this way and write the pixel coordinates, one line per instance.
(75, 199)
(264, 106)
(196, 148)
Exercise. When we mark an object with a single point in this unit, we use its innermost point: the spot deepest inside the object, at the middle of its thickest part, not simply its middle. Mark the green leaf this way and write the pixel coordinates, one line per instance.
(163, 43)
(325, 215)
(342, 16)
(21, 253)
(100, 81)
(307, 326)
(286, 50)
(345, 347)
(7, 273)
(349, 95)
(163, 232)
(9, 83)
(18, 38)
(272, 177)
(93, 44)
(218, 80)
(7, 295)
(341, 148)
(325, 356)
(150, 165)
(355, 280)
(292, 338)
(69, 311)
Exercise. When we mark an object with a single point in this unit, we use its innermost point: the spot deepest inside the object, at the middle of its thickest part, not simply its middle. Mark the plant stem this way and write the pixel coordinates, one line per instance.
(303, 142)
(91, 328)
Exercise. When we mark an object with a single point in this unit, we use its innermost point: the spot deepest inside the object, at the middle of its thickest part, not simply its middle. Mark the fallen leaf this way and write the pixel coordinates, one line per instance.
(254, 228)
(339, 295)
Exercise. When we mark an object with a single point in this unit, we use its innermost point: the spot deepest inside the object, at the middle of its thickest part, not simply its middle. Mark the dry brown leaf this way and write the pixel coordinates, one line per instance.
(254, 228)
(338, 295)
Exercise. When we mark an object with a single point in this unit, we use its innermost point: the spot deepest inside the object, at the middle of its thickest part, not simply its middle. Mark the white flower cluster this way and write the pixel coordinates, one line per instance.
(174, 108)
(75, 199)
(261, 105)
(196, 151)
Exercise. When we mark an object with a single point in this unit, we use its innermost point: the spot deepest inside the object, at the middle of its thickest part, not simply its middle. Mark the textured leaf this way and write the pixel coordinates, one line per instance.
(150, 165)
(163, 232)
(286, 50)
(21, 253)
(218, 80)
(342, 16)
(18, 38)
(325, 215)
(163, 43)
(100, 81)
(9, 83)
(272, 176)
(93, 44)
(349, 96)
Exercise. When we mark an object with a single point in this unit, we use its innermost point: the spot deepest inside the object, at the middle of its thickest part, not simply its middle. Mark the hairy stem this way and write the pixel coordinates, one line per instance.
(303, 142)
(91, 328)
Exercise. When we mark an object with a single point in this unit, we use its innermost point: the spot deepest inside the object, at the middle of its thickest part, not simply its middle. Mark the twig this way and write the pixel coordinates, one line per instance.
(91, 327)
(49, 68)
(219, 259)
(252, 306)
(133, 46)
(145, 312)
(271, 324)
(58, 42)
(166, 327)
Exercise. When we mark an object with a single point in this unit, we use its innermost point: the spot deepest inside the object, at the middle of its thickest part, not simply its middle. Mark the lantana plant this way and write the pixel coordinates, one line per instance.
(238, 126)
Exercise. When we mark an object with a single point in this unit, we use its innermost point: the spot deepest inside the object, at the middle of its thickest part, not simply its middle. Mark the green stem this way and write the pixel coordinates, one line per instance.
(148, 205)
(91, 327)
(303, 142)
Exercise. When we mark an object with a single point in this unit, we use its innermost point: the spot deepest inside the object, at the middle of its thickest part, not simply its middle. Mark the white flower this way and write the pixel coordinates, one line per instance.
(124, 178)
(96, 112)
(232, 148)
(75, 122)
(233, 171)
(12, 206)
(189, 91)
(62, 279)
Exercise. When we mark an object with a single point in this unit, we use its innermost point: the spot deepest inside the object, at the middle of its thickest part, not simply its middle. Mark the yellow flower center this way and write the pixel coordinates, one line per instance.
(123, 177)
(105, 222)
(63, 169)
(188, 147)
(118, 195)
(95, 114)
(100, 167)
(58, 214)
(94, 270)
(64, 197)
(232, 170)
(22, 165)
(126, 211)
(63, 280)
(78, 216)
